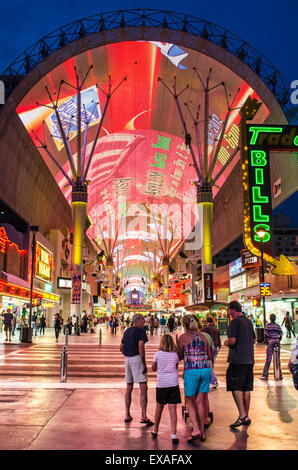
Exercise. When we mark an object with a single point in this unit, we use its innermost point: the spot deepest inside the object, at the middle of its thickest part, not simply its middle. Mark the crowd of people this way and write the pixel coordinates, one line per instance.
(13, 322)
(198, 348)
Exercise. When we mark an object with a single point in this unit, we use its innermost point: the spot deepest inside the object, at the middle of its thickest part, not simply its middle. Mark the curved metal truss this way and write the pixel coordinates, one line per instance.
(49, 44)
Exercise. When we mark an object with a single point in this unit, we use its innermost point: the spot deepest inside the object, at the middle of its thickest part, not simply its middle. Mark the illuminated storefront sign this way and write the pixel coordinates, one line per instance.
(257, 142)
(13, 290)
(44, 265)
(235, 267)
(249, 260)
(264, 289)
(238, 283)
(66, 283)
(53, 297)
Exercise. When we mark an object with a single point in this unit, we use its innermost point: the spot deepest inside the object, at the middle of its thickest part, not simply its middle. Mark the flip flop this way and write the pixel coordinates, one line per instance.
(194, 438)
(128, 420)
(148, 422)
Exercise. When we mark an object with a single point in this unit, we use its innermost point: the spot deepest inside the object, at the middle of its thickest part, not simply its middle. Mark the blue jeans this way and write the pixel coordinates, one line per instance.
(213, 376)
(269, 354)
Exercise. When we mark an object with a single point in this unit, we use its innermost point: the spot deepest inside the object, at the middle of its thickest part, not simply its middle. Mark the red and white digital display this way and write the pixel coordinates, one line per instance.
(140, 161)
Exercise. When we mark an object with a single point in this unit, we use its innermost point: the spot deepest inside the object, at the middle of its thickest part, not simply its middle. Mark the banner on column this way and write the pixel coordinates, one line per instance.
(208, 287)
(76, 288)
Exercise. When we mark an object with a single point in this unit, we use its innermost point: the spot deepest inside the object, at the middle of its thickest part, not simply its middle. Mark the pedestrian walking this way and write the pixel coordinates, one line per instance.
(42, 324)
(151, 325)
(35, 323)
(194, 349)
(293, 364)
(68, 326)
(7, 320)
(287, 321)
(273, 334)
(211, 329)
(239, 375)
(171, 322)
(133, 347)
(162, 323)
(84, 326)
(14, 322)
(127, 322)
(115, 324)
(57, 325)
(165, 362)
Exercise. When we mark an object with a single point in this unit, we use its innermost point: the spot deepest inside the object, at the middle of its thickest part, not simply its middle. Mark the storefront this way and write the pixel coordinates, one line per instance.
(280, 306)
(244, 287)
(17, 297)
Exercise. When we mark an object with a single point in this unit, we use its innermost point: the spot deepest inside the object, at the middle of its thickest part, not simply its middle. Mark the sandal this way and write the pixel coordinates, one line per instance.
(128, 420)
(239, 422)
(148, 422)
(194, 437)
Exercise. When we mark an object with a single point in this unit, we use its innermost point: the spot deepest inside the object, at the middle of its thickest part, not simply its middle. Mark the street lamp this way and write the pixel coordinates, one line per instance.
(34, 229)
(261, 234)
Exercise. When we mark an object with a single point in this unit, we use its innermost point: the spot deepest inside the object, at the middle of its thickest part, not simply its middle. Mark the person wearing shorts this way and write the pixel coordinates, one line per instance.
(7, 320)
(194, 348)
(133, 348)
(166, 361)
(239, 375)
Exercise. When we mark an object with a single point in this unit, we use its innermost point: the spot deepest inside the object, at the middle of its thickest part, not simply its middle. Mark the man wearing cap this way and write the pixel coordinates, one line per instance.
(133, 348)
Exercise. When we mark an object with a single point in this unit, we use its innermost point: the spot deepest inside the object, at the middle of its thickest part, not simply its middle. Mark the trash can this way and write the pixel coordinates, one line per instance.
(26, 334)
(260, 334)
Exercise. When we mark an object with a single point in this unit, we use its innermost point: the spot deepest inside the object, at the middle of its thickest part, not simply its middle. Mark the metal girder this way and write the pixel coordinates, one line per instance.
(187, 24)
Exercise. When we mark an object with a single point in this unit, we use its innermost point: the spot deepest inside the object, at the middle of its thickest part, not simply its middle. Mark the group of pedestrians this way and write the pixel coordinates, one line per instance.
(39, 324)
(198, 350)
(12, 322)
(194, 347)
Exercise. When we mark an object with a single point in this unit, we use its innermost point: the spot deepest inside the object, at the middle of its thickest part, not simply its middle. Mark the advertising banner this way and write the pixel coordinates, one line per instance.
(76, 288)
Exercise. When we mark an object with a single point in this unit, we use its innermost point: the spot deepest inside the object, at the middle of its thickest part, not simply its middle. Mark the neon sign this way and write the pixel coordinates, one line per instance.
(257, 141)
(261, 139)
(264, 289)
(44, 265)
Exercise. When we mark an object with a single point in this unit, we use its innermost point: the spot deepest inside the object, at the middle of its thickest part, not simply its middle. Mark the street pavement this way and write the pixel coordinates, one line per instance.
(38, 412)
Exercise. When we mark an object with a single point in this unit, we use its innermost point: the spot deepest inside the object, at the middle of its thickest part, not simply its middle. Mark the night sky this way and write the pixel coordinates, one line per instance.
(268, 25)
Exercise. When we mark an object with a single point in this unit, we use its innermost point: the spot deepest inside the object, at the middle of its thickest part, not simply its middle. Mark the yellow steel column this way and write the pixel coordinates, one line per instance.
(165, 264)
(205, 207)
(79, 209)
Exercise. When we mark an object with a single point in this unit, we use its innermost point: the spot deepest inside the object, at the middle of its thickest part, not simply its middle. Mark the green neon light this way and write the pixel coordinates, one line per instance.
(257, 130)
(259, 174)
(296, 141)
(258, 216)
(257, 197)
(267, 235)
(258, 158)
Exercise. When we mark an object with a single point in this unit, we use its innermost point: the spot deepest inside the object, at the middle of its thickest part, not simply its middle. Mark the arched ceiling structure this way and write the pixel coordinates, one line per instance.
(141, 197)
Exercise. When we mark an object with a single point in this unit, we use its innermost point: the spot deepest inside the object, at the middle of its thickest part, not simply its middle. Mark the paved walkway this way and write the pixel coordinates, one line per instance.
(38, 412)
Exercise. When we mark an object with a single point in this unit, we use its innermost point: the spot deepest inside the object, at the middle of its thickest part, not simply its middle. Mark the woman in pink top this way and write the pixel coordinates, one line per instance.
(166, 361)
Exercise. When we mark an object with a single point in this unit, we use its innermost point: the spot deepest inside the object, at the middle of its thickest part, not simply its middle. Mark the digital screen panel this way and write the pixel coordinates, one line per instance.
(140, 160)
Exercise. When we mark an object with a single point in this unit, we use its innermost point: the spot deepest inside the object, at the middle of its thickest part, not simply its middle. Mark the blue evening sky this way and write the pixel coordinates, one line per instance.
(268, 25)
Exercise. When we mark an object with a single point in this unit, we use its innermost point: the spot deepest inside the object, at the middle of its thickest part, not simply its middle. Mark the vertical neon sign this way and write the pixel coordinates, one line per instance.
(257, 141)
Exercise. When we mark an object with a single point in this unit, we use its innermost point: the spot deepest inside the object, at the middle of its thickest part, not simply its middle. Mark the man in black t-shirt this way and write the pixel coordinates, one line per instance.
(241, 340)
(7, 320)
(133, 348)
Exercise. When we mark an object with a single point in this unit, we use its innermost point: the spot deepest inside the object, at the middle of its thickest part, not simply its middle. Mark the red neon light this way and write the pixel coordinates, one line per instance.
(17, 291)
(4, 242)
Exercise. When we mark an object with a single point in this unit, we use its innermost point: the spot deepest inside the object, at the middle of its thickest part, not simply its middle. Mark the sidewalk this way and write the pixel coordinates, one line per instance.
(39, 413)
